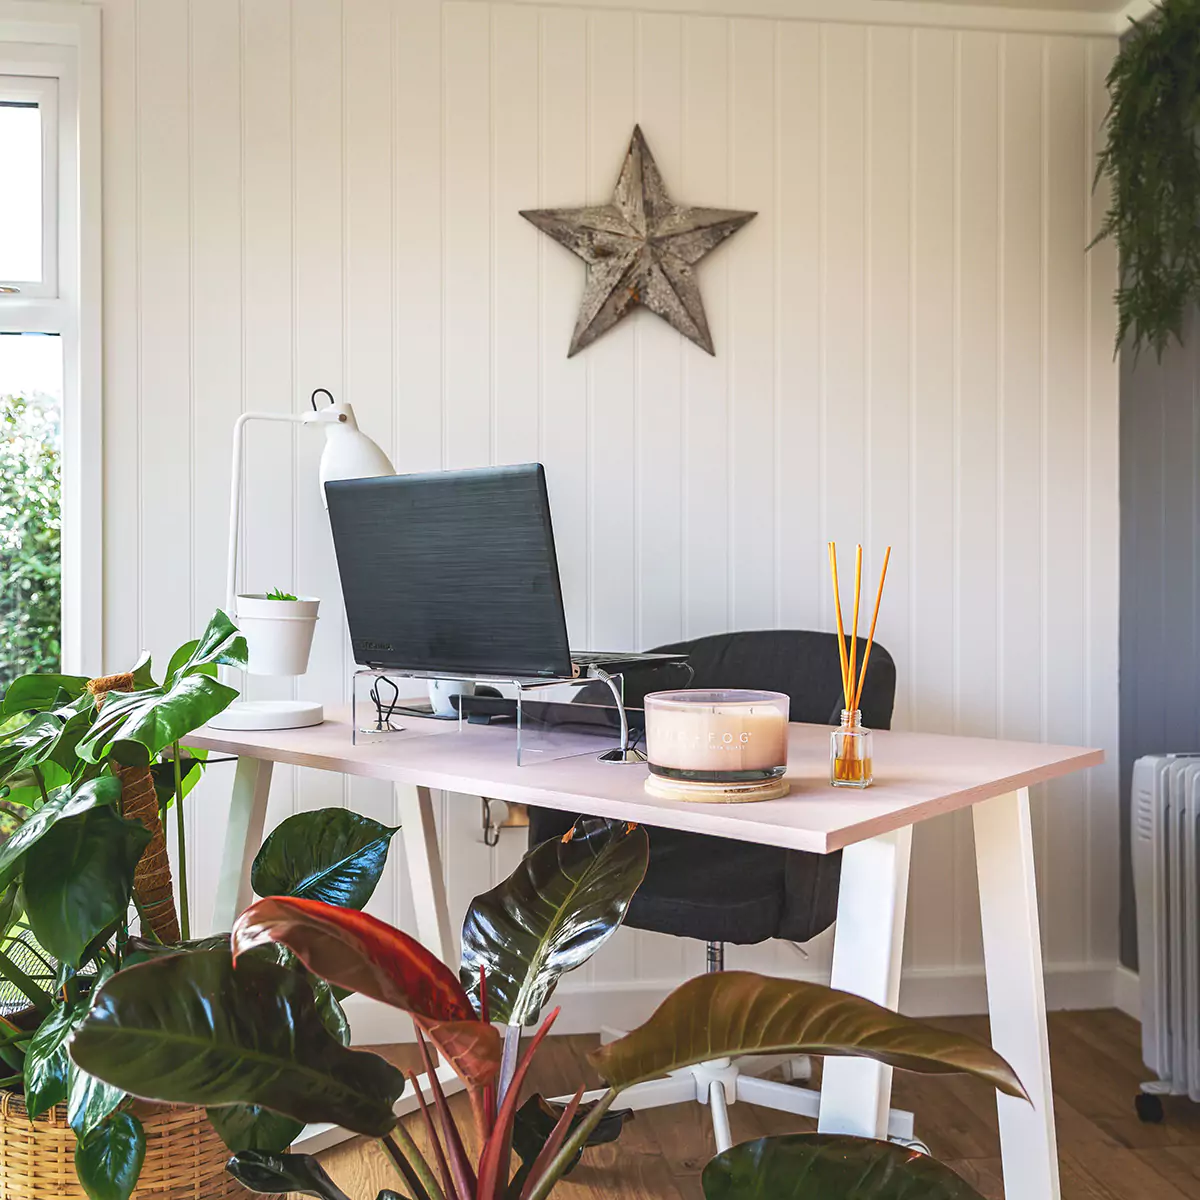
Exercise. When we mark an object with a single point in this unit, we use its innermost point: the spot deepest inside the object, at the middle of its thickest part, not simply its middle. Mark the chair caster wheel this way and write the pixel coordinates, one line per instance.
(1149, 1108)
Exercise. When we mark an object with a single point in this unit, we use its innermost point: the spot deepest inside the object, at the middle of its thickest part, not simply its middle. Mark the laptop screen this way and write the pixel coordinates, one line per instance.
(452, 571)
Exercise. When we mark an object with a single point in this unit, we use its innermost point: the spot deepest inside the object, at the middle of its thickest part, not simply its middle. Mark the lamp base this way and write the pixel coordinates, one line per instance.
(269, 714)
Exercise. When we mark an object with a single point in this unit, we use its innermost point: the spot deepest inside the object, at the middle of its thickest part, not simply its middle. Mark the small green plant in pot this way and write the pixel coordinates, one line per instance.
(226, 1027)
(88, 771)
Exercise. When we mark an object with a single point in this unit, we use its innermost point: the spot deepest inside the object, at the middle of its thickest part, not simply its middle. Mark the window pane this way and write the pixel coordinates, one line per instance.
(30, 476)
(21, 193)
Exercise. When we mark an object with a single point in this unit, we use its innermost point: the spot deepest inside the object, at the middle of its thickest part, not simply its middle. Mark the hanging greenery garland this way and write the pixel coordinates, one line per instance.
(1152, 158)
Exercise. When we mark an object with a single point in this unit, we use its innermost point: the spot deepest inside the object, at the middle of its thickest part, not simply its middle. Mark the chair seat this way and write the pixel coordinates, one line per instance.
(710, 888)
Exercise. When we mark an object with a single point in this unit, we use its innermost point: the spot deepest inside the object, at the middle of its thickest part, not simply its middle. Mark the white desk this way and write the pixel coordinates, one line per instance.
(918, 776)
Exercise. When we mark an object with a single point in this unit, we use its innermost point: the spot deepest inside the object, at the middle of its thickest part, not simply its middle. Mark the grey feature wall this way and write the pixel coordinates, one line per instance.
(1160, 572)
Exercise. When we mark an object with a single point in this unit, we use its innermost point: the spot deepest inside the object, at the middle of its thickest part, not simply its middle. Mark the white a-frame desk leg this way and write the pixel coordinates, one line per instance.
(868, 943)
(243, 837)
(1012, 955)
(424, 860)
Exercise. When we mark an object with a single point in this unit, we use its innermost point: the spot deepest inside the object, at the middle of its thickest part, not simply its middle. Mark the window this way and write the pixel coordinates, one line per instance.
(29, 199)
(50, 467)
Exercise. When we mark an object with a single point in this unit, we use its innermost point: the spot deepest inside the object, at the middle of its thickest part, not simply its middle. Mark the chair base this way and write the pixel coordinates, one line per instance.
(724, 1081)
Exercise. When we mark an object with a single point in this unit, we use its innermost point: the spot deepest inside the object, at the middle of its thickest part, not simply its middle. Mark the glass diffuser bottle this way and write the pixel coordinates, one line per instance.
(850, 753)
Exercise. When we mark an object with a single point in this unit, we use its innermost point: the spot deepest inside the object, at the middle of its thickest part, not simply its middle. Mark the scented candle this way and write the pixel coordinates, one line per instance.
(719, 737)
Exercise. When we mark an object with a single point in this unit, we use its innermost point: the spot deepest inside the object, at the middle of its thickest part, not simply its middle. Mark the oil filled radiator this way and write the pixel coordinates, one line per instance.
(1165, 836)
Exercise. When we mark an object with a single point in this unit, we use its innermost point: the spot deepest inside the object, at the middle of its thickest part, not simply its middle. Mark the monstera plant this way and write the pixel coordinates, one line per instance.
(88, 769)
(230, 1026)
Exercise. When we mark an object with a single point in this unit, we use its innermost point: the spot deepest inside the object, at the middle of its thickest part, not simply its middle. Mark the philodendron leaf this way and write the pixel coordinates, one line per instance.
(62, 805)
(296, 1173)
(154, 718)
(362, 954)
(252, 1127)
(46, 1060)
(332, 854)
(731, 1013)
(50, 736)
(89, 1100)
(35, 693)
(358, 952)
(108, 1160)
(219, 645)
(78, 879)
(558, 907)
(190, 1029)
(816, 1166)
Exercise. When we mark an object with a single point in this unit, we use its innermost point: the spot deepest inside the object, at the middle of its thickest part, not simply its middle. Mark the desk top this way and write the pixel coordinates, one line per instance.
(918, 776)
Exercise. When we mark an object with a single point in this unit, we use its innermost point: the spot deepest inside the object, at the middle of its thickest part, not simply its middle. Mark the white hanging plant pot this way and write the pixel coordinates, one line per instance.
(278, 633)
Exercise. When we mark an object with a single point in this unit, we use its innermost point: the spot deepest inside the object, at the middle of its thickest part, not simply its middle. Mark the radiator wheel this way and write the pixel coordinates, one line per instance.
(1149, 1108)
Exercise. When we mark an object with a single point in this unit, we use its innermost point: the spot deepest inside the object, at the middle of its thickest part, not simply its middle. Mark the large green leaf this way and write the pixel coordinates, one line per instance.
(331, 854)
(155, 717)
(108, 1159)
(252, 1127)
(297, 1173)
(46, 1060)
(89, 1100)
(219, 645)
(737, 1012)
(63, 805)
(50, 736)
(78, 879)
(35, 693)
(190, 1029)
(815, 1166)
(565, 899)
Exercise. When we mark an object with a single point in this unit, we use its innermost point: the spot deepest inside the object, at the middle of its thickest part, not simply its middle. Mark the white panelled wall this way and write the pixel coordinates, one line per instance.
(912, 348)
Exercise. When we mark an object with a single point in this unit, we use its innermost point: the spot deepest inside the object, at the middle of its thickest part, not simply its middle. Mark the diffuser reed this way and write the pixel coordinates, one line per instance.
(850, 756)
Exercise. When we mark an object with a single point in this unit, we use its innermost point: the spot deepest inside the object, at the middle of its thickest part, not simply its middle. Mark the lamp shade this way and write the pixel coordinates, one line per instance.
(349, 453)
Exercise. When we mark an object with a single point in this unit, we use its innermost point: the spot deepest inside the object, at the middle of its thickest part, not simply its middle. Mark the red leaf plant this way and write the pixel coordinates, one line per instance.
(355, 951)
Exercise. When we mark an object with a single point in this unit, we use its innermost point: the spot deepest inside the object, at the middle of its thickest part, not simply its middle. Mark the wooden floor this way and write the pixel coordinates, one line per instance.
(1106, 1153)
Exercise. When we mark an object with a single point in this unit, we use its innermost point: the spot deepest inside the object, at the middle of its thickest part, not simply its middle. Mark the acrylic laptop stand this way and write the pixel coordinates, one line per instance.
(525, 691)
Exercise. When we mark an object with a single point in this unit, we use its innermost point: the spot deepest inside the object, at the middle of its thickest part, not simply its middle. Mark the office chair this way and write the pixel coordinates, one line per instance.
(721, 891)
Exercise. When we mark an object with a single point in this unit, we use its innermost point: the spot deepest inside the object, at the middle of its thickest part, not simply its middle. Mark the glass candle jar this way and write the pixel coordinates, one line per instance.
(717, 737)
(851, 753)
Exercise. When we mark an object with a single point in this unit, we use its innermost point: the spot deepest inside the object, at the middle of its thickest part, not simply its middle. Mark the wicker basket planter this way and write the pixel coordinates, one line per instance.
(185, 1159)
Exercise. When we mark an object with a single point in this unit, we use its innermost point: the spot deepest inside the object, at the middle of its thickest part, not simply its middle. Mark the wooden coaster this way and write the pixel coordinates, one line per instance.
(716, 793)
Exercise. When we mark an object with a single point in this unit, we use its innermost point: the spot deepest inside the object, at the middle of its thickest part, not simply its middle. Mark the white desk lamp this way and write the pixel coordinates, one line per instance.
(279, 632)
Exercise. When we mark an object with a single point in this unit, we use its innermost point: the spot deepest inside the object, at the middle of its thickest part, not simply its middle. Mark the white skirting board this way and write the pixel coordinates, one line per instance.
(925, 993)
(1127, 992)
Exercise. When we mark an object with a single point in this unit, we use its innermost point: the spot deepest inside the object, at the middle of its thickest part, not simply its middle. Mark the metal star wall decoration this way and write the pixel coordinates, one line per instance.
(640, 249)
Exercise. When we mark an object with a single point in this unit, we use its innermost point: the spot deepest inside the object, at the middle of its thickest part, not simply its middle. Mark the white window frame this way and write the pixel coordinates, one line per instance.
(41, 90)
(56, 47)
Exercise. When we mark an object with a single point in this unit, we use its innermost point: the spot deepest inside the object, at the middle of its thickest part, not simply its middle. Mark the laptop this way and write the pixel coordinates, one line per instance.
(454, 573)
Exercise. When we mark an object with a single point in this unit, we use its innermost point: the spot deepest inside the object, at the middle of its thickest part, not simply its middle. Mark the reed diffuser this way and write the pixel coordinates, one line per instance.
(850, 749)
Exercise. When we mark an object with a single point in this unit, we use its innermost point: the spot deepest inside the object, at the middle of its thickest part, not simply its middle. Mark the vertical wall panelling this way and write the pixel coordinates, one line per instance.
(562, 392)
(320, 316)
(658, 443)
(268, 368)
(1063, 514)
(933, 511)
(1101, 632)
(803, 591)
(706, 483)
(912, 349)
(217, 322)
(370, 383)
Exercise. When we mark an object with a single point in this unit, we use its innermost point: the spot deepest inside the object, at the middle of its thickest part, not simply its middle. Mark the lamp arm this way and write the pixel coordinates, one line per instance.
(235, 495)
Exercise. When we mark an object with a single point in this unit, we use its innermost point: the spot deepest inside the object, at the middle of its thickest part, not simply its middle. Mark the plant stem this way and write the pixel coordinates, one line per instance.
(411, 1164)
(41, 782)
(185, 922)
(571, 1147)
